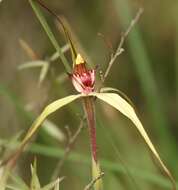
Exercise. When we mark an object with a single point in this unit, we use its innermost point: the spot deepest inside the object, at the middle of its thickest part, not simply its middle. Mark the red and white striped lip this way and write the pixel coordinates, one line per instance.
(83, 79)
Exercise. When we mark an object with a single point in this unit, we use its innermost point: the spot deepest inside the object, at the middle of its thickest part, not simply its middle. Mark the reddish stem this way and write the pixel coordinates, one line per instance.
(90, 114)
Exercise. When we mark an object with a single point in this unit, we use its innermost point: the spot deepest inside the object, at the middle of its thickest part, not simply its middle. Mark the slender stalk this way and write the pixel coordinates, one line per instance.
(90, 115)
(88, 104)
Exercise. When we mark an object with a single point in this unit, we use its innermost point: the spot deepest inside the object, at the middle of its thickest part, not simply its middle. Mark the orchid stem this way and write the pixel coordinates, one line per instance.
(88, 104)
(90, 115)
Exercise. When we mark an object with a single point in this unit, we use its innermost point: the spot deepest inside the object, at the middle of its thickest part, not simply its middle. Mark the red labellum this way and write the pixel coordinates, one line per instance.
(83, 79)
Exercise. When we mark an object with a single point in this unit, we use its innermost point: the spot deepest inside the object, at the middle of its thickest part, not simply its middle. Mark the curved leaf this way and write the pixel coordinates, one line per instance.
(125, 108)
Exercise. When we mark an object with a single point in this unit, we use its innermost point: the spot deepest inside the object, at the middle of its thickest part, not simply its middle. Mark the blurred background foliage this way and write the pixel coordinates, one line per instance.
(147, 72)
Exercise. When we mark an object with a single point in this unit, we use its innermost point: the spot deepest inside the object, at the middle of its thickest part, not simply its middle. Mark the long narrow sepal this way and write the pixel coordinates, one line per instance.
(67, 35)
(69, 39)
(37, 123)
(112, 99)
(126, 109)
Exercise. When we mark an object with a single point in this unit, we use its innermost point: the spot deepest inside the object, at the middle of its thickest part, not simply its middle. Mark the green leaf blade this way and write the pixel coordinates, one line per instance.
(49, 33)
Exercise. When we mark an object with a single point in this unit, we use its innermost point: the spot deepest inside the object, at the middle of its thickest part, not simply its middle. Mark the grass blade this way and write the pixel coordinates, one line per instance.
(49, 33)
(32, 64)
(53, 130)
(43, 73)
(35, 183)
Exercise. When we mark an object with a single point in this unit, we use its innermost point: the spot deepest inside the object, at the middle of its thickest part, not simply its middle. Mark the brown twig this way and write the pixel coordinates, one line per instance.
(69, 133)
(91, 184)
(71, 142)
(119, 49)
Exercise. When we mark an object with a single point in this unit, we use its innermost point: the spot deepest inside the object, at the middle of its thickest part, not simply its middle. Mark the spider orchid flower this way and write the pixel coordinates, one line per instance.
(83, 80)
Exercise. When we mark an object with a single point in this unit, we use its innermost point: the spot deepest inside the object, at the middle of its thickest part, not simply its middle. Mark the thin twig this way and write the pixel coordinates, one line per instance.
(68, 149)
(92, 183)
(69, 133)
(119, 49)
